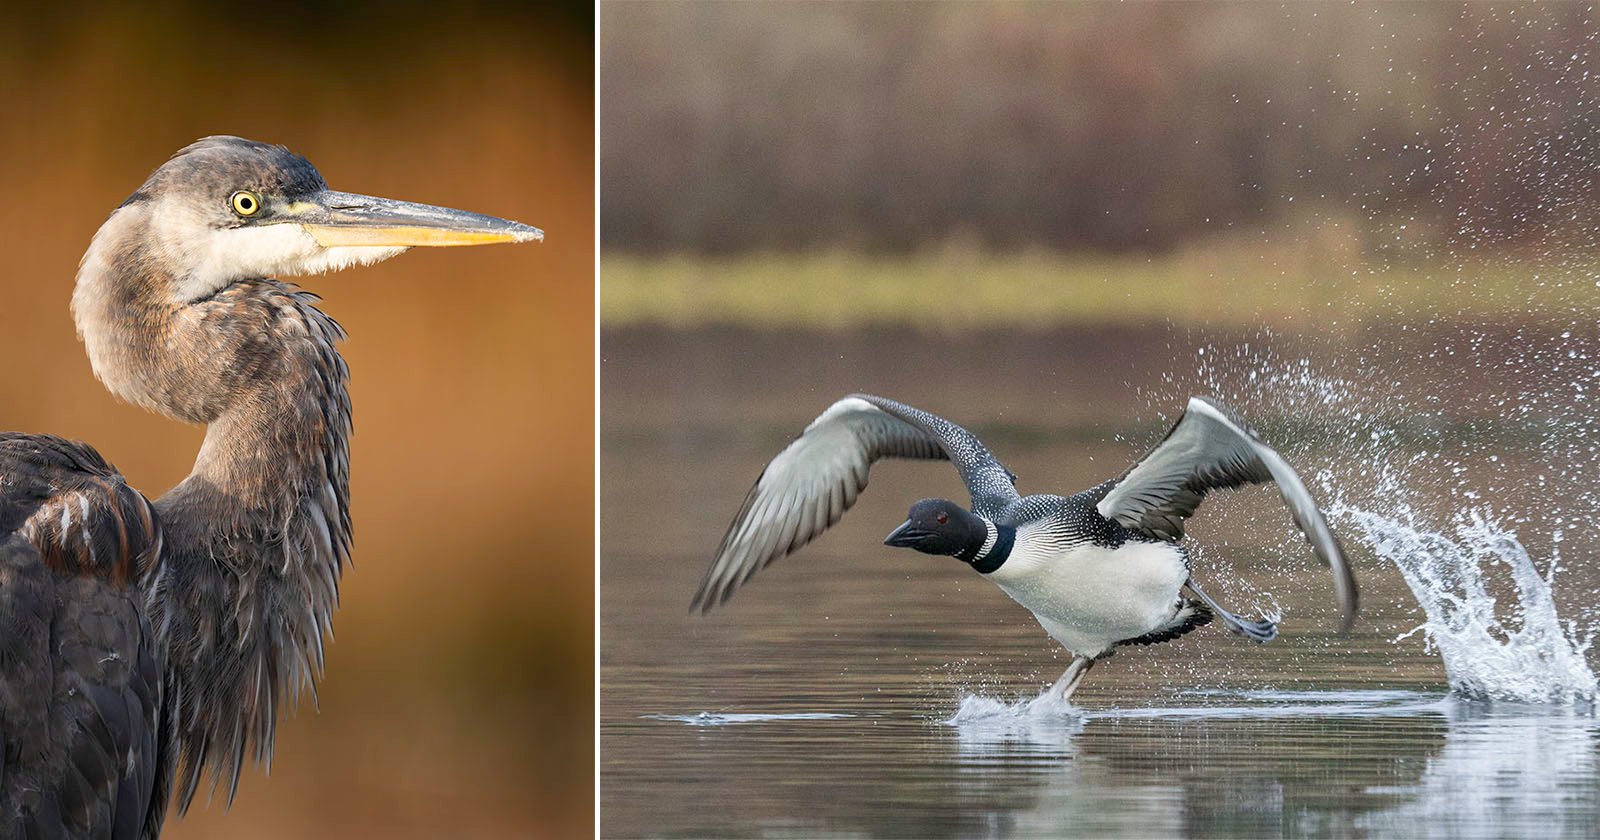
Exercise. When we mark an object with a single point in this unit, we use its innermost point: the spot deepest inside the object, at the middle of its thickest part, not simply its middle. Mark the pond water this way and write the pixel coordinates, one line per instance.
(857, 690)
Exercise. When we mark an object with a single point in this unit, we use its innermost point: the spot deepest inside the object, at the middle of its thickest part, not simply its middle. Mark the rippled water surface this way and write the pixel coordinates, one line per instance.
(856, 690)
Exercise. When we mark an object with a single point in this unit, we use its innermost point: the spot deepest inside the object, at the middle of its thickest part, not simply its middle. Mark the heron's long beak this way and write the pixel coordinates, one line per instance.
(342, 219)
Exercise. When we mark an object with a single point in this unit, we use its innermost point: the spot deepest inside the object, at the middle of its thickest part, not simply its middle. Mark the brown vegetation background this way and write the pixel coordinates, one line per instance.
(888, 127)
(458, 696)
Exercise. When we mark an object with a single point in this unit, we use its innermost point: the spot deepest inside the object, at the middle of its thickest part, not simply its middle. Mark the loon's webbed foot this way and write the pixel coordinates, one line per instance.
(1262, 630)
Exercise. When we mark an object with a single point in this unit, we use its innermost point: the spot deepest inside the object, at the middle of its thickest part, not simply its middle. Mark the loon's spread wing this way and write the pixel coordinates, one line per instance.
(993, 487)
(1211, 449)
(815, 479)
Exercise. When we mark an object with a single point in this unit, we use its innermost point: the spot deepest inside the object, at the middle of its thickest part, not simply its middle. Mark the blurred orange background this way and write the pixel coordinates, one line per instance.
(458, 695)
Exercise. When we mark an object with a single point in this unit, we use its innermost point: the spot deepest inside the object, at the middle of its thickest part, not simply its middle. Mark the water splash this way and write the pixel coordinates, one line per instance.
(1043, 725)
(1523, 653)
(1489, 612)
(977, 708)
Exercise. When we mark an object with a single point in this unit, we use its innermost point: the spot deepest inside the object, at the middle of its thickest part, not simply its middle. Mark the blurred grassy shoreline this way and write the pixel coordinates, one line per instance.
(957, 288)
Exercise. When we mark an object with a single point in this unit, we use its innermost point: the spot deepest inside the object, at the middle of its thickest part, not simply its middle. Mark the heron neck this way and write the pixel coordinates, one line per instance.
(258, 535)
(276, 453)
(186, 359)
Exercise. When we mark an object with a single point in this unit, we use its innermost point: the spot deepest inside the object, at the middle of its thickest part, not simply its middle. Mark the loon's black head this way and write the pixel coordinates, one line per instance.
(940, 526)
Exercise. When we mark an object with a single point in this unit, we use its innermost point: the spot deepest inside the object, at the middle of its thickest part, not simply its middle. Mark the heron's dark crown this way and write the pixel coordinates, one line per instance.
(223, 163)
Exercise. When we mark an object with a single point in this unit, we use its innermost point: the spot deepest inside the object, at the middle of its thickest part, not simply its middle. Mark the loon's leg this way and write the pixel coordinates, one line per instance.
(1068, 683)
(1264, 630)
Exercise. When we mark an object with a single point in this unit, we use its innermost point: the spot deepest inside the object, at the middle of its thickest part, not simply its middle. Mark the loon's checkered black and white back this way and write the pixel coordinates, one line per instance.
(809, 485)
(1075, 518)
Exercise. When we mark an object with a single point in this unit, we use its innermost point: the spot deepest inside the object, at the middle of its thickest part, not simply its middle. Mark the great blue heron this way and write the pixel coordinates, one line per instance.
(140, 637)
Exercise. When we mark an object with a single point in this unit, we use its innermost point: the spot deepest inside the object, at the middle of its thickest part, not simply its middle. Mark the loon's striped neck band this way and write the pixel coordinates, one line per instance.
(988, 541)
(996, 548)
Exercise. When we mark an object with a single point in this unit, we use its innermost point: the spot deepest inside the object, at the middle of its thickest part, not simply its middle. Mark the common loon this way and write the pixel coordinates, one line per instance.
(1098, 569)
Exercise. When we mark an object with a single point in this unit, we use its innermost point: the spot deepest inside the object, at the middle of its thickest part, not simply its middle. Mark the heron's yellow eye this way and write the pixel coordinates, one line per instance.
(245, 203)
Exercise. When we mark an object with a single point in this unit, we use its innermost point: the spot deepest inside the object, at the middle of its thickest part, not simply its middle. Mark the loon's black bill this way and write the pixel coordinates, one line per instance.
(904, 536)
(337, 219)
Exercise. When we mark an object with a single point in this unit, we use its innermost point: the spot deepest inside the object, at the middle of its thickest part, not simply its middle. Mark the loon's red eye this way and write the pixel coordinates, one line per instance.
(942, 517)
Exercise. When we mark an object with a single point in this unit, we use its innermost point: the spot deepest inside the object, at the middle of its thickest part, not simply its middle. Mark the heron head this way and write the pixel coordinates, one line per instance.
(225, 209)
(940, 526)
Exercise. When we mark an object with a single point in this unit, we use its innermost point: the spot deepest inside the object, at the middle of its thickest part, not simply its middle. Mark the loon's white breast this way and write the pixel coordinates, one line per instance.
(1087, 596)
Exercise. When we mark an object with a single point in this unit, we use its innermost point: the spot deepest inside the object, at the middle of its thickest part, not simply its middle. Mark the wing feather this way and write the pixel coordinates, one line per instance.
(993, 487)
(1211, 449)
(80, 671)
(808, 487)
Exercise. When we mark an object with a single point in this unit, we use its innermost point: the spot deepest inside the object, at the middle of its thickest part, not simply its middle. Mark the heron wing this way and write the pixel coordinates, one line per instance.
(80, 672)
(816, 478)
(76, 510)
(1211, 449)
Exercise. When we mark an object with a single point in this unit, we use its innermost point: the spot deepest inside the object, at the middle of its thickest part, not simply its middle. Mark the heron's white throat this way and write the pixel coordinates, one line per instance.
(228, 255)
